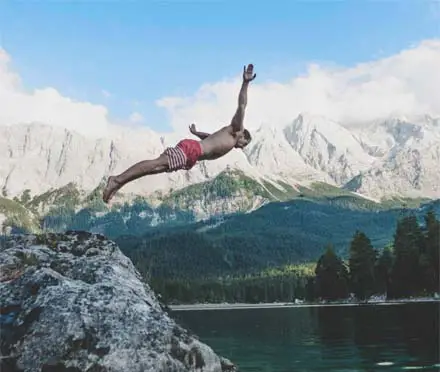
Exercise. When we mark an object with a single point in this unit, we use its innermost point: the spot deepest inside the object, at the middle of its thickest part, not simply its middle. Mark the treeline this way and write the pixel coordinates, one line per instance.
(409, 266)
(272, 285)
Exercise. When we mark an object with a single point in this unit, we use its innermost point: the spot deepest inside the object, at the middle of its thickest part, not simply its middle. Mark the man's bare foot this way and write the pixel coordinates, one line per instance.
(110, 190)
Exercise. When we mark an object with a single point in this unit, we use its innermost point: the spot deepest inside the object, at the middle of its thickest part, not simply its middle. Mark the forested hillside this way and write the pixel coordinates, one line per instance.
(408, 266)
(276, 234)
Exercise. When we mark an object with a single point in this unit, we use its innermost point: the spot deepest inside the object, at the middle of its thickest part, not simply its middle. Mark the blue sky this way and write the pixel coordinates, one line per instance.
(141, 51)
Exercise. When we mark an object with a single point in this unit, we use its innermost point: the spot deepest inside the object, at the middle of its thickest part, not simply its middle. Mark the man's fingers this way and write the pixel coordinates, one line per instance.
(247, 70)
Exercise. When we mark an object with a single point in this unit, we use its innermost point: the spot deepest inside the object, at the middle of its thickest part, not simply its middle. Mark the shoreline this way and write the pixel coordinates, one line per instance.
(247, 306)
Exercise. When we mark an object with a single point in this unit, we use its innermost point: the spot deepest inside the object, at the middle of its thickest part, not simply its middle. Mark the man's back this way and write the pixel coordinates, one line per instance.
(219, 143)
(233, 135)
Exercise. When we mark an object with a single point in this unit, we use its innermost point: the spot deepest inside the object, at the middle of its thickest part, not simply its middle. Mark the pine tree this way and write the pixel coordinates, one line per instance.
(384, 266)
(408, 244)
(361, 263)
(431, 261)
(331, 276)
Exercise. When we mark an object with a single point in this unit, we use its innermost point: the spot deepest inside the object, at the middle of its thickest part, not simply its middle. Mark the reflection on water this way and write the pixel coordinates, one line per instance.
(360, 338)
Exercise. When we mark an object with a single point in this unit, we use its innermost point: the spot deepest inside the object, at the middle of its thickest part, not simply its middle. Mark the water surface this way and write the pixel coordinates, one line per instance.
(360, 338)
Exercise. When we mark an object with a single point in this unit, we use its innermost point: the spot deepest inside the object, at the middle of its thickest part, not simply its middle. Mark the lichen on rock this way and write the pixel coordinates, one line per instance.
(74, 302)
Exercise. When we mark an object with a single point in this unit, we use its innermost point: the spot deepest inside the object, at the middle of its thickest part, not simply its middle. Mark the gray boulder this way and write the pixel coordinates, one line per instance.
(73, 302)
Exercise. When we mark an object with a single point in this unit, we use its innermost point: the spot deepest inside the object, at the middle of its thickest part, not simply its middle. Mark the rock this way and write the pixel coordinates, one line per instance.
(73, 302)
(227, 365)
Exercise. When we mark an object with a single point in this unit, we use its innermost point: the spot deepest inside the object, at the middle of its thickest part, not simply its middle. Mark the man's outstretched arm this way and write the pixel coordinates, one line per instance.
(201, 135)
(237, 120)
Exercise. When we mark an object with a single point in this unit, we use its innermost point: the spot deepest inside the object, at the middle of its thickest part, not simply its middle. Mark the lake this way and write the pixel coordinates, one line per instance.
(343, 338)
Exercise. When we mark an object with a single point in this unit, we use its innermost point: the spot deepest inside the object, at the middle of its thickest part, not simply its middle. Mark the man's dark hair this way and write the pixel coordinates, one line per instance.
(247, 135)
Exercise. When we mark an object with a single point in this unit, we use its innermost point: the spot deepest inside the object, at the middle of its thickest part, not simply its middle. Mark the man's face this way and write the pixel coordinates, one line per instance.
(242, 142)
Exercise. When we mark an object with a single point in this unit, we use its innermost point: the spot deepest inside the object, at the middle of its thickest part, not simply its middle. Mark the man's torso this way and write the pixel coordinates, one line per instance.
(219, 143)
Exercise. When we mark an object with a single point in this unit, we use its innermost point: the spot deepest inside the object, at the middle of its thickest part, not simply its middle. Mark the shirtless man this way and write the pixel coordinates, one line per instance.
(187, 152)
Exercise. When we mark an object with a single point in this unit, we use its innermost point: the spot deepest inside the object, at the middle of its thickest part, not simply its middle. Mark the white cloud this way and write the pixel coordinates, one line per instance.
(404, 84)
(46, 105)
(135, 117)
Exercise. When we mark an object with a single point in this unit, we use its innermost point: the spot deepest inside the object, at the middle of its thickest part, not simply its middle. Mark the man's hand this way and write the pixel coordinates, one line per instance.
(201, 135)
(192, 128)
(248, 73)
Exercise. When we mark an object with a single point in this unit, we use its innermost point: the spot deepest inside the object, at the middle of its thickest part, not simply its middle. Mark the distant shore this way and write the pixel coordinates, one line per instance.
(235, 306)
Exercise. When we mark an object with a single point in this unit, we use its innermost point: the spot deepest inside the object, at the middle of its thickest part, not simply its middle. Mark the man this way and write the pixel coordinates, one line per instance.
(188, 152)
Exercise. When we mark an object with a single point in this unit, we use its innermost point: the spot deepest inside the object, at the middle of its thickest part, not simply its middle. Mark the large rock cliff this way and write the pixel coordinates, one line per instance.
(73, 302)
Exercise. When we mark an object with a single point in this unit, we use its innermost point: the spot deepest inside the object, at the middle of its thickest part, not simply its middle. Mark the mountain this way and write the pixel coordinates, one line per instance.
(328, 146)
(277, 234)
(39, 157)
(48, 172)
(409, 159)
(229, 193)
(13, 213)
(271, 153)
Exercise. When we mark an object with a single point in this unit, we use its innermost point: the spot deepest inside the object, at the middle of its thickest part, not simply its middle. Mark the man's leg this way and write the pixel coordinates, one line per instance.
(141, 169)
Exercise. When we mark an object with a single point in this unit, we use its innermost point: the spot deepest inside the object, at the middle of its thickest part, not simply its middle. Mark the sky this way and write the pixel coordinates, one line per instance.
(87, 65)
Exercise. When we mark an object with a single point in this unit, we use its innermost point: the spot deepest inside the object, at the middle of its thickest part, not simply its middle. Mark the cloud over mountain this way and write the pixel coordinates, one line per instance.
(46, 105)
(405, 84)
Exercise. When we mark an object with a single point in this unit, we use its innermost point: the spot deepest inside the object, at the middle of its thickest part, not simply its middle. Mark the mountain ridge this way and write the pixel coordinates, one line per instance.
(379, 161)
(280, 233)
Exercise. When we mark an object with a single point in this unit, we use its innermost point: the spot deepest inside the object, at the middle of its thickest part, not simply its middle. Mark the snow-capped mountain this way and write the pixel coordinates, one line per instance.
(379, 137)
(409, 158)
(271, 153)
(40, 157)
(380, 159)
(328, 146)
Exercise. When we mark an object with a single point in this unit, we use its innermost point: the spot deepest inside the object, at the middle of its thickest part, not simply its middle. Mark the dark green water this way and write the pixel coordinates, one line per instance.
(360, 338)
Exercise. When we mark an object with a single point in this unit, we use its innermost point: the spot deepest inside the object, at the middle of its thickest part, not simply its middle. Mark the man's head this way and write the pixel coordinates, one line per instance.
(244, 140)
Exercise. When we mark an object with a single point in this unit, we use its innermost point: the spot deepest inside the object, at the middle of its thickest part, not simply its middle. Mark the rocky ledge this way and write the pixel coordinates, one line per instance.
(73, 302)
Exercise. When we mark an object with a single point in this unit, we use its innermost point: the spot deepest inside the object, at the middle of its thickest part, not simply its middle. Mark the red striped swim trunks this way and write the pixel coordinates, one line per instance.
(184, 155)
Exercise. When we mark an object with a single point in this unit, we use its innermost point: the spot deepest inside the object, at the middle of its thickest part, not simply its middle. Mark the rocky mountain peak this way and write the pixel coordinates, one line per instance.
(311, 148)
